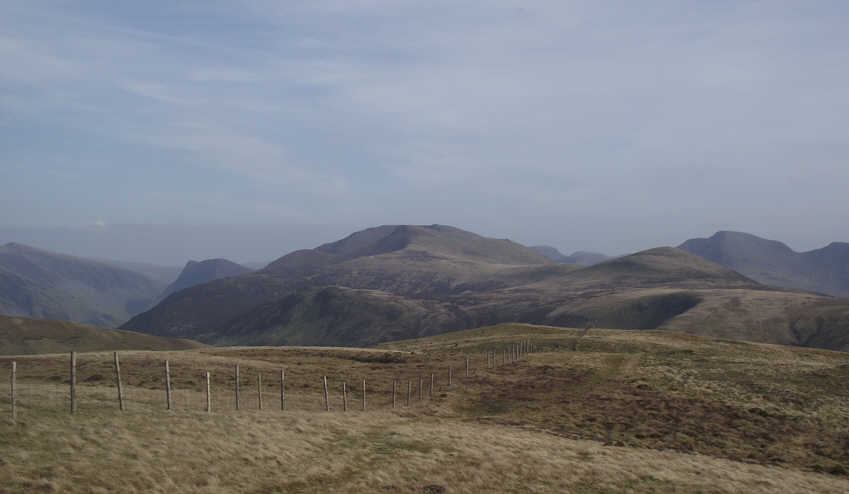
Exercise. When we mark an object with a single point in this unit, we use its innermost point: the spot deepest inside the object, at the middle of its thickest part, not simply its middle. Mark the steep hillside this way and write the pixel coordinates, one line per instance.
(23, 335)
(161, 275)
(38, 283)
(197, 273)
(773, 263)
(417, 262)
(341, 316)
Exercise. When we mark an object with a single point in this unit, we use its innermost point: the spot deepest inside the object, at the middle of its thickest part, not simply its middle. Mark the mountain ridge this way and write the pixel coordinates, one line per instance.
(824, 270)
(396, 281)
(198, 272)
(40, 283)
(580, 257)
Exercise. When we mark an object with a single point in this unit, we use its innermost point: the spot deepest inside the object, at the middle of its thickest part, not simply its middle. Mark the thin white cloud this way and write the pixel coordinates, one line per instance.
(448, 107)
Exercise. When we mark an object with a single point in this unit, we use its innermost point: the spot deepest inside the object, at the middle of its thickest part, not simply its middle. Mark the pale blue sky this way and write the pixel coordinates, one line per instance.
(610, 126)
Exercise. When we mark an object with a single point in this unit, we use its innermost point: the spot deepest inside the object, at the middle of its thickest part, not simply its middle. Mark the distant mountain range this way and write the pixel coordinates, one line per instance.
(196, 273)
(402, 281)
(581, 258)
(773, 263)
(37, 283)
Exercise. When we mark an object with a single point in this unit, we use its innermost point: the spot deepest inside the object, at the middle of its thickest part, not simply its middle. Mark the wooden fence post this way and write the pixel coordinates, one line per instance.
(421, 385)
(394, 385)
(364, 395)
(118, 380)
(73, 382)
(282, 389)
(430, 391)
(168, 386)
(326, 397)
(208, 395)
(259, 391)
(12, 392)
(236, 377)
(344, 398)
(467, 366)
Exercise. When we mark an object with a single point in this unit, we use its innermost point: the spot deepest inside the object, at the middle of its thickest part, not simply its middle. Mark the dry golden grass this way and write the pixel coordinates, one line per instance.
(624, 411)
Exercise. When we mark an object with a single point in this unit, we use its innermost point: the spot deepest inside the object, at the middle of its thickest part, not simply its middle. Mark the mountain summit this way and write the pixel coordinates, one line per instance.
(196, 273)
(773, 263)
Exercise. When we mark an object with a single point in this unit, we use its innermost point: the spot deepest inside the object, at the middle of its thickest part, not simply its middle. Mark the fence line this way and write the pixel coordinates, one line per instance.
(485, 360)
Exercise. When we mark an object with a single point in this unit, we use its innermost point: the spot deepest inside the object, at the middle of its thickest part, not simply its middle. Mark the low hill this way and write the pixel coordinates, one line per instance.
(197, 273)
(661, 266)
(587, 411)
(580, 257)
(773, 263)
(37, 283)
(23, 335)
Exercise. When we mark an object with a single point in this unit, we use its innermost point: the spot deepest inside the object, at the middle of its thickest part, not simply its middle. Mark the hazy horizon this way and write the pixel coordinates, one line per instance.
(174, 245)
(162, 132)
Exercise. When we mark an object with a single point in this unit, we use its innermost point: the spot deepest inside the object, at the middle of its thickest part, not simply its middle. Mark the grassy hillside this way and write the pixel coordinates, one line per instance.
(22, 335)
(592, 412)
(37, 283)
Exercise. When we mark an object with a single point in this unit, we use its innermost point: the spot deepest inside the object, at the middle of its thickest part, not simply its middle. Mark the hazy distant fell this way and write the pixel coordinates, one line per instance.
(824, 270)
(37, 283)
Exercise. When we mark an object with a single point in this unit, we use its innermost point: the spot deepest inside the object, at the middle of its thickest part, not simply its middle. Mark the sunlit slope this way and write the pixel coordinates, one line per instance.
(23, 335)
(590, 411)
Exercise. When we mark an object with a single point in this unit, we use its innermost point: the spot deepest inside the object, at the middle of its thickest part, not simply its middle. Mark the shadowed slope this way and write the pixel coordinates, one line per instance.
(38, 283)
(773, 263)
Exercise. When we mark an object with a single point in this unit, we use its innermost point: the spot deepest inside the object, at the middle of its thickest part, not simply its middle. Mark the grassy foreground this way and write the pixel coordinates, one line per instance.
(608, 411)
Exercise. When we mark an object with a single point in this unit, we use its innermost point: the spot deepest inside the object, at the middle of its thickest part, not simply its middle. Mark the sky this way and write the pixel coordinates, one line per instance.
(160, 131)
